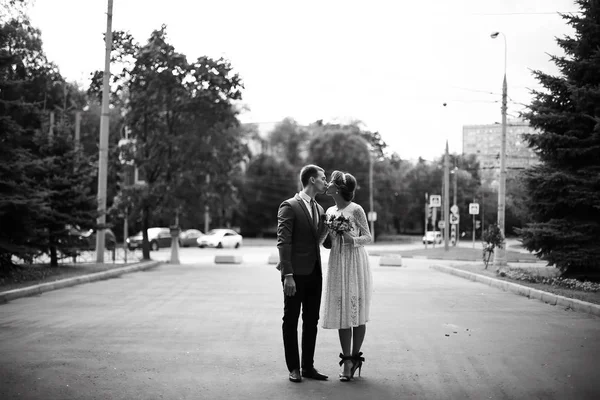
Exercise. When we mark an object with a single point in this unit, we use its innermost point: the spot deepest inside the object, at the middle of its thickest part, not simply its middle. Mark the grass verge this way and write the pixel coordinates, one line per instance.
(22, 276)
(591, 297)
(456, 253)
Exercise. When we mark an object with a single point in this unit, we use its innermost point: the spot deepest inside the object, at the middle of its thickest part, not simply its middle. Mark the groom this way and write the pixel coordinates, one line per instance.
(299, 225)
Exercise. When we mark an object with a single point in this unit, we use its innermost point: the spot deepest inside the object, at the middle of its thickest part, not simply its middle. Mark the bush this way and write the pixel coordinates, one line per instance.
(567, 283)
(492, 238)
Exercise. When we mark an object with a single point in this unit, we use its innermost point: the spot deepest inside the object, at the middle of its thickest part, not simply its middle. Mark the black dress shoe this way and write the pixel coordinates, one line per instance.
(295, 376)
(312, 373)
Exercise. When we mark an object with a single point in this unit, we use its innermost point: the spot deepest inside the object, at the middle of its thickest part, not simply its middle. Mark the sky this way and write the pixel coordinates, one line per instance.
(390, 64)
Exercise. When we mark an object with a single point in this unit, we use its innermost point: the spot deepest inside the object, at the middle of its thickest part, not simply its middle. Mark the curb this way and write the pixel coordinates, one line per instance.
(470, 260)
(545, 297)
(9, 295)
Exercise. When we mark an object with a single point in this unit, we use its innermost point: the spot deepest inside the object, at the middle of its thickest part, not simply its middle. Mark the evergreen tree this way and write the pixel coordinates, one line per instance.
(23, 73)
(65, 178)
(42, 180)
(564, 189)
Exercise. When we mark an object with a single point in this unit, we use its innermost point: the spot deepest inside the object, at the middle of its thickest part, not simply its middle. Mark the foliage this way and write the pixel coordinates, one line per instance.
(567, 283)
(28, 186)
(564, 200)
(345, 151)
(181, 115)
(288, 140)
(492, 239)
(65, 177)
(267, 182)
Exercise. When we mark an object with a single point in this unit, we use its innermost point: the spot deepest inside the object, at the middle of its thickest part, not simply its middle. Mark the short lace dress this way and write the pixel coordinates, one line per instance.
(348, 281)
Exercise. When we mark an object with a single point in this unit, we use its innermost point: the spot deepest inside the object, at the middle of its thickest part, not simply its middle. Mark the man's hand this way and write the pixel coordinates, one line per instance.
(289, 286)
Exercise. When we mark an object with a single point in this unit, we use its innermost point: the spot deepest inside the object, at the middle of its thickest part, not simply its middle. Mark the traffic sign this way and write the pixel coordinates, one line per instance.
(474, 208)
(454, 209)
(435, 200)
(372, 216)
(454, 219)
(441, 224)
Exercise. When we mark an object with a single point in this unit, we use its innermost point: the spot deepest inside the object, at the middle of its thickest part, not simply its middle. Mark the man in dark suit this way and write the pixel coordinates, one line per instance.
(299, 226)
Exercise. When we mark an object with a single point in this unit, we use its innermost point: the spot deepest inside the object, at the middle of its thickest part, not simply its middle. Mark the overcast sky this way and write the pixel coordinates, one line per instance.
(390, 64)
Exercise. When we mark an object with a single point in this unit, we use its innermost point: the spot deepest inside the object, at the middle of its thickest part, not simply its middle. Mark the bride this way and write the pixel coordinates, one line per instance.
(349, 282)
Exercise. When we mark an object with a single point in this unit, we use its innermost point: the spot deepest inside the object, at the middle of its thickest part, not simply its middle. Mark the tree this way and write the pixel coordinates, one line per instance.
(181, 115)
(564, 188)
(266, 184)
(65, 178)
(24, 76)
(288, 140)
(42, 179)
(344, 151)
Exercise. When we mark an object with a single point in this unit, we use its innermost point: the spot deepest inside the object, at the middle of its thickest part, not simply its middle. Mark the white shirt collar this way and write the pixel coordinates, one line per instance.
(304, 196)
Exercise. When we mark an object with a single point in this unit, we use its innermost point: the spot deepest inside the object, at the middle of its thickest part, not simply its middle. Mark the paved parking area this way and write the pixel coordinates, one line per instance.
(205, 331)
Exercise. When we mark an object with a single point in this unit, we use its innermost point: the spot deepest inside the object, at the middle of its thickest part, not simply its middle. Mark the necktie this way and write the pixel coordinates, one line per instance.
(315, 213)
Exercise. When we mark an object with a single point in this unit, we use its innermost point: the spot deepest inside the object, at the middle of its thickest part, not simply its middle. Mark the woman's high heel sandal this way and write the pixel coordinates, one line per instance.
(357, 362)
(345, 378)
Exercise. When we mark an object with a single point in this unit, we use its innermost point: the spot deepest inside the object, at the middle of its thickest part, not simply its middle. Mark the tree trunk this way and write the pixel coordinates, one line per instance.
(145, 223)
(53, 254)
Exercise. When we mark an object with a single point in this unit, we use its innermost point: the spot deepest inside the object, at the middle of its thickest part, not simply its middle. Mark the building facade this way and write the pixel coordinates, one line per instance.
(485, 141)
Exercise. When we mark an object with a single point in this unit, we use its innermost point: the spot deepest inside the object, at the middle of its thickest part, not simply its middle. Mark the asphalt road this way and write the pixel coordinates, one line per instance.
(205, 331)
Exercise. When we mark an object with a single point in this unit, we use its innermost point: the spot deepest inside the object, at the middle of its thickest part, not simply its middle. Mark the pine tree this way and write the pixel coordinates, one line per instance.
(564, 188)
(44, 184)
(22, 66)
(65, 178)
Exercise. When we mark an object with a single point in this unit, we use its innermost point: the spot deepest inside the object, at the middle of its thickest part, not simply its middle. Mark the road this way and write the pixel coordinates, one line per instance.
(205, 331)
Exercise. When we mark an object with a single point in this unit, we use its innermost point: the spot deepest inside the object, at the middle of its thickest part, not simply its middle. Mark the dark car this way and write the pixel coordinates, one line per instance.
(157, 237)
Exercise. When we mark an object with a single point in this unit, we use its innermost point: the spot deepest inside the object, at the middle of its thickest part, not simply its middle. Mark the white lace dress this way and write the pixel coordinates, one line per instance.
(348, 281)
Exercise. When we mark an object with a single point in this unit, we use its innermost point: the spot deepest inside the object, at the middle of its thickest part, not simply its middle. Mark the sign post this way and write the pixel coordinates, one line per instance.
(474, 210)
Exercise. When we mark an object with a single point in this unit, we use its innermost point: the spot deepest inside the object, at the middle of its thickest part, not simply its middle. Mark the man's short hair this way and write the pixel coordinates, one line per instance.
(309, 171)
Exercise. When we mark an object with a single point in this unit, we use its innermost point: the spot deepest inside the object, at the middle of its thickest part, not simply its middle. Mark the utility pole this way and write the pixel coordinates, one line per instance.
(51, 130)
(456, 227)
(446, 197)
(371, 196)
(77, 129)
(103, 153)
(500, 253)
(426, 218)
(206, 214)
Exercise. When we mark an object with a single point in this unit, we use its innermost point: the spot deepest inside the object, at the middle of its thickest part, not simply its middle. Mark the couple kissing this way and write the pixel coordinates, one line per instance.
(302, 227)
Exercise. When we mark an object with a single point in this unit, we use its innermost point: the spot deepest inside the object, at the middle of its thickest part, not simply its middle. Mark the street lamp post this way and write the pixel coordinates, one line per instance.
(103, 145)
(446, 197)
(455, 228)
(500, 254)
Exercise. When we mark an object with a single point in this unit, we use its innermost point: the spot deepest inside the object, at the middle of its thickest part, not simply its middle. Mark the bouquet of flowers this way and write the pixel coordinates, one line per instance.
(339, 224)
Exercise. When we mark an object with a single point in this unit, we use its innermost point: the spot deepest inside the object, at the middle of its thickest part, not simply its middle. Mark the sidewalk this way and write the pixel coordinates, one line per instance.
(62, 283)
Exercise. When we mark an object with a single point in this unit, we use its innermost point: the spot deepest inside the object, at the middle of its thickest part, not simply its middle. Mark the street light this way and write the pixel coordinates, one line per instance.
(455, 227)
(500, 254)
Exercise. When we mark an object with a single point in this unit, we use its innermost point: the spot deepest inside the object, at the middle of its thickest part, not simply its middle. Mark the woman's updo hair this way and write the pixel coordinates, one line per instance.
(345, 183)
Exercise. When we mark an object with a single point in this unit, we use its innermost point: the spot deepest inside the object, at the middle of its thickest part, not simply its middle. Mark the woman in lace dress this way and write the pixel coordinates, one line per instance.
(348, 284)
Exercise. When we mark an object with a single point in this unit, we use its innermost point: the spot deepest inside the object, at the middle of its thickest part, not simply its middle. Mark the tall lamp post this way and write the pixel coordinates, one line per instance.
(500, 254)
(103, 146)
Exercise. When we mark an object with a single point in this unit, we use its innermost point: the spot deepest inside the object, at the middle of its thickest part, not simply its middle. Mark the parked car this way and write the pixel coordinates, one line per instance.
(432, 237)
(220, 238)
(189, 237)
(157, 237)
(86, 240)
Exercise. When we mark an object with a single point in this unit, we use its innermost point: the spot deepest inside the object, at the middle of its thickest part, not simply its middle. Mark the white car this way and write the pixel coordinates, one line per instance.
(432, 237)
(220, 238)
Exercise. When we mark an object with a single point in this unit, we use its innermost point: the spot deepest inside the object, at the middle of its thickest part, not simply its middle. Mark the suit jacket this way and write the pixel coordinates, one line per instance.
(297, 237)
